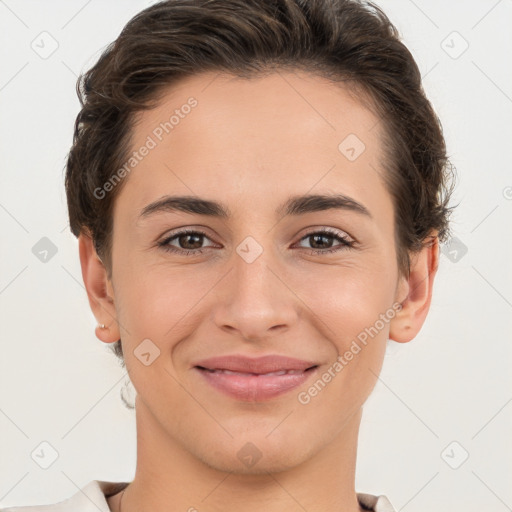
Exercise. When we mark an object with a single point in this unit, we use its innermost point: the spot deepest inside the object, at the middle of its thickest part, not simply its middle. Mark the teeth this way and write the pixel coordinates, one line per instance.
(228, 372)
(281, 372)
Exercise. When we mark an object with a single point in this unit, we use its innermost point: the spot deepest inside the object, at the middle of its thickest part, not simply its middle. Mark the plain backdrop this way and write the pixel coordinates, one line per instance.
(436, 431)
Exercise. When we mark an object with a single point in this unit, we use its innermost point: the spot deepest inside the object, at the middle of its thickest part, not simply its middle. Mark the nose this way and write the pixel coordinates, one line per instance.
(254, 301)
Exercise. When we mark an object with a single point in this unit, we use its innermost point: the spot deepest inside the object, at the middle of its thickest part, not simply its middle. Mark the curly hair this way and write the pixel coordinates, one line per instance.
(347, 41)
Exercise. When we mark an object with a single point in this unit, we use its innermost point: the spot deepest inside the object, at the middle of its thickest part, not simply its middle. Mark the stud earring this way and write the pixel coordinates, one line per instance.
(102, 326)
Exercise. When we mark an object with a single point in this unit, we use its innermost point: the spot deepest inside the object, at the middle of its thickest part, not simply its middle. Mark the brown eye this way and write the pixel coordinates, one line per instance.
(186, 242)
(190, 241)
(322, 241)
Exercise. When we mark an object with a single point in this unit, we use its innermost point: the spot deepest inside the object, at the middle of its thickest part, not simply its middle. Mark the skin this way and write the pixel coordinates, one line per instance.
(251, 144)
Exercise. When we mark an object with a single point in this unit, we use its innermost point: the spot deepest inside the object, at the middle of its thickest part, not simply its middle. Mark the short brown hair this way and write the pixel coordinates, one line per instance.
(347, 41)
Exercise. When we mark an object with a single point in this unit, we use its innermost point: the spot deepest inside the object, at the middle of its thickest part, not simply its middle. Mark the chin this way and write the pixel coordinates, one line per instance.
(254, 454)
(267, 464)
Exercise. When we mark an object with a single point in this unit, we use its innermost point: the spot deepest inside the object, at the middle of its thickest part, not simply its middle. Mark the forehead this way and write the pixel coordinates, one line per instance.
(286, 132)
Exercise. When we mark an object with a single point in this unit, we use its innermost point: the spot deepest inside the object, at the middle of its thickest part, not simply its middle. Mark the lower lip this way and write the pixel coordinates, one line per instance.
(255, 388)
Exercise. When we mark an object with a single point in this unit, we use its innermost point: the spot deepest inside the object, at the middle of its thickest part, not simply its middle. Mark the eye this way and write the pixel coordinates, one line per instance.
(189, 242)
(323, 241)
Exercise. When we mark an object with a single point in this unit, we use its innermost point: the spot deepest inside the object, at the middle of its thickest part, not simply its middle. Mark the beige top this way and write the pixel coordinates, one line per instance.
(92, 498)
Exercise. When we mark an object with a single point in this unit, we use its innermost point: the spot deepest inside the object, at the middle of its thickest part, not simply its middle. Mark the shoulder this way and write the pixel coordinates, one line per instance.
(90, 498)
(375, 503)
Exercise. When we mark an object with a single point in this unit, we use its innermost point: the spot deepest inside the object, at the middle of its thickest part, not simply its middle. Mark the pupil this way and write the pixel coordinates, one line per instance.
(316, 237)
(185, 244)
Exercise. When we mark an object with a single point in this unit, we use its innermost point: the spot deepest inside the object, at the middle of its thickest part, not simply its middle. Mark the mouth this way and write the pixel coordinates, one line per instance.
(255, 380)
(246, 374)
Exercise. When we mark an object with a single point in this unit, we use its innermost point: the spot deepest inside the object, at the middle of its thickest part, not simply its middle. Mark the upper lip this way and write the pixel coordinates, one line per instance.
(264, 364)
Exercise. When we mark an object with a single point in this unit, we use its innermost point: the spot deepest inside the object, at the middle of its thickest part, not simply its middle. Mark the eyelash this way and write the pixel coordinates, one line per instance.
(345, 242)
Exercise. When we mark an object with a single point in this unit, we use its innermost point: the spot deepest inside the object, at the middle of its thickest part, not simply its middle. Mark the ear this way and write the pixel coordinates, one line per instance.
(415, 292)
(99, 289)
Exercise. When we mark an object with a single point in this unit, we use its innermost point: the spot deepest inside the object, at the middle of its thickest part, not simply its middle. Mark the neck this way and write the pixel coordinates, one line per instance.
(167, 473)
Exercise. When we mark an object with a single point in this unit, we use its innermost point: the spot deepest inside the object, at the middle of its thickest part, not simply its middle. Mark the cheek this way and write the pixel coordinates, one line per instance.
(352, 309)
(341, 300)
(161, 302)
(346, 298)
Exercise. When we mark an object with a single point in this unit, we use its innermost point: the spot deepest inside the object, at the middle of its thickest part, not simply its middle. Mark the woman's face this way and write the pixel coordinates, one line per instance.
(261, 279)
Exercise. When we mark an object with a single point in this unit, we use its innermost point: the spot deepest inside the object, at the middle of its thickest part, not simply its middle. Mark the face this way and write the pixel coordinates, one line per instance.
(261, 271)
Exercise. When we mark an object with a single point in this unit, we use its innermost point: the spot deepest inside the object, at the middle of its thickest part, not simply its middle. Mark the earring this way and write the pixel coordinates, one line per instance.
(102, 326)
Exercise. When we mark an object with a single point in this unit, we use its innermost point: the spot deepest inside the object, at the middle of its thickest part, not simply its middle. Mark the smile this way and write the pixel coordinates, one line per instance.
(255, 380)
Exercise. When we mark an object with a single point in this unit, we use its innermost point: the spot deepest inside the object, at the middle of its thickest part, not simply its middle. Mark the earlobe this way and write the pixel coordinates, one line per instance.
(415, 306)
(99, 290)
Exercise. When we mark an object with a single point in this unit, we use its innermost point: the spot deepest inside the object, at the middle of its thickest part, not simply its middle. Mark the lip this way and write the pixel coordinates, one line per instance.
(255, 379)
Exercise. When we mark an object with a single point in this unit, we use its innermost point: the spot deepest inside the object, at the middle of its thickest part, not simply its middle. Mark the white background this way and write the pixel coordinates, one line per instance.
(60, 384)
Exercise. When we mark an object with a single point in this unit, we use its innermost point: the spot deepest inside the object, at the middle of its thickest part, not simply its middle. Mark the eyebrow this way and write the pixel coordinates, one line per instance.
(295, 205)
